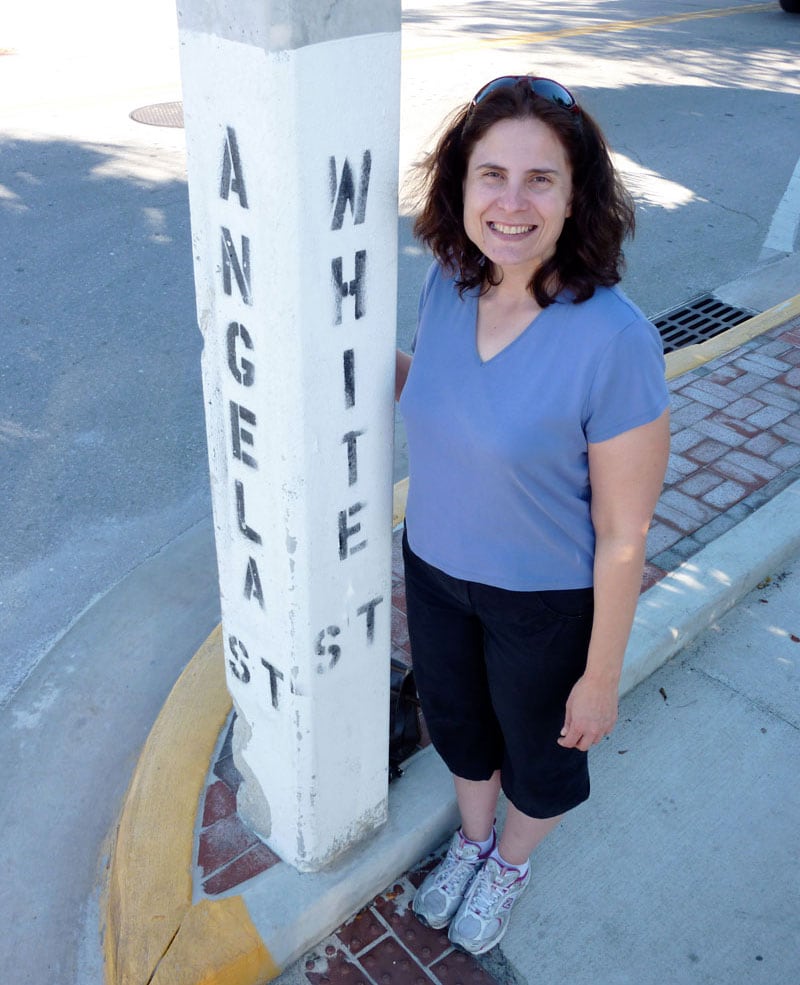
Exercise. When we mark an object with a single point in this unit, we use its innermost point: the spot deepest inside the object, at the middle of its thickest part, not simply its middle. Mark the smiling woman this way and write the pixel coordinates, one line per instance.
(535, 408)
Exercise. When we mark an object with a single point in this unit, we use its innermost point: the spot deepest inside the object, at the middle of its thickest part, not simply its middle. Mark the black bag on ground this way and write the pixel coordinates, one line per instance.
(404, 727)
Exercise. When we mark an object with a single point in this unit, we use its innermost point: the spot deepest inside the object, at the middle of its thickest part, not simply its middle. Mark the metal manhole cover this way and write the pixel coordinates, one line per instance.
(159, 115)
(697, 320)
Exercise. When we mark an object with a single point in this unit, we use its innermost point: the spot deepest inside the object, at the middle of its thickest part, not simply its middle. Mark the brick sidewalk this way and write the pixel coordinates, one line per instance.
(735, 445)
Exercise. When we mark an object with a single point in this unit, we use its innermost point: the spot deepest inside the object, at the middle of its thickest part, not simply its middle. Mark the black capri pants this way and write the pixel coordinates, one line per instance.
(494, 669)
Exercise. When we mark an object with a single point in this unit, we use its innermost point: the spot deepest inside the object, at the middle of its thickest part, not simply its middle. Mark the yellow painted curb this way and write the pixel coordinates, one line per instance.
(684, 360)
(217, 944)
(399, 501)
(152, 932)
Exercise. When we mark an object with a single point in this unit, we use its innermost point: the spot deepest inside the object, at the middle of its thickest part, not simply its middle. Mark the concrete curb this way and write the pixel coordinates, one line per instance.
(156, 932)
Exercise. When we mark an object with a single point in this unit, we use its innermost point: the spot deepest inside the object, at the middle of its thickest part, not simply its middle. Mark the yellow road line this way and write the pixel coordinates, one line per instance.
(611, 27)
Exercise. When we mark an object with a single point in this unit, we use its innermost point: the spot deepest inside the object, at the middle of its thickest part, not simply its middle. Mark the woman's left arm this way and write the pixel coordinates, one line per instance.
(626, 474)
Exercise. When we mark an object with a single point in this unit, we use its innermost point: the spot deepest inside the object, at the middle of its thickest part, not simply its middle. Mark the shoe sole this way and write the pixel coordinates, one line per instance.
(481, 950)
(426, 922)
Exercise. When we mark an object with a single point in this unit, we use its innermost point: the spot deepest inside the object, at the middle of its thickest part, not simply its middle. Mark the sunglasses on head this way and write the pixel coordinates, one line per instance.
(548, 89)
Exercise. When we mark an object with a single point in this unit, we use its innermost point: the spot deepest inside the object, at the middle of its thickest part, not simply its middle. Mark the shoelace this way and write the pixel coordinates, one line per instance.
(488, 893)
(453, 867)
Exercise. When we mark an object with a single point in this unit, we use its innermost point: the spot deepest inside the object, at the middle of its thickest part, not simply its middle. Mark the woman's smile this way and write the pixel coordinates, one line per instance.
(510, 230)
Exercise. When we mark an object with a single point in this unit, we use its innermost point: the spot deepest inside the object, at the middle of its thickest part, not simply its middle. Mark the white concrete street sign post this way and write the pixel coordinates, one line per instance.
(291, 111)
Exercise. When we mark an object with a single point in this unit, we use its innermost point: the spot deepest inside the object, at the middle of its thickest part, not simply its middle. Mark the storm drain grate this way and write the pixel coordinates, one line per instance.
(697, 320)
(159, 115)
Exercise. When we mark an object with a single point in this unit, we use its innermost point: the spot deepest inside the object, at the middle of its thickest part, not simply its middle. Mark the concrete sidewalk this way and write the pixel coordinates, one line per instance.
(677, 887)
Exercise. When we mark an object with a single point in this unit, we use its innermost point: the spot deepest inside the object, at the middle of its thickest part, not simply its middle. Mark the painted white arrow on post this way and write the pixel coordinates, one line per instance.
(292, 119)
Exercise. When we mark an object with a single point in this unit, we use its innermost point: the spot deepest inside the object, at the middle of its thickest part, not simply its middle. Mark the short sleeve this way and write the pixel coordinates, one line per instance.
(629, 386)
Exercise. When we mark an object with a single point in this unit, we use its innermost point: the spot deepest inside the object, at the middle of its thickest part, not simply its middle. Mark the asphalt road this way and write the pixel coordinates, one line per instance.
(102, 443)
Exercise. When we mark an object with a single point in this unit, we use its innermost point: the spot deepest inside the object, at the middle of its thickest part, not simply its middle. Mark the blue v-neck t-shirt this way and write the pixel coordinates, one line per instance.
(498, 450)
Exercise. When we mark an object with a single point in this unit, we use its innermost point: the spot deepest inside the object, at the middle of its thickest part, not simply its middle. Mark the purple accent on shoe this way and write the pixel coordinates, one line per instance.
(482, 919)
(441, 893)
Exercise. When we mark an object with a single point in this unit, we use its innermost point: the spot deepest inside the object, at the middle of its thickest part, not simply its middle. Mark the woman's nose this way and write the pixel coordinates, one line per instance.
(513, 197)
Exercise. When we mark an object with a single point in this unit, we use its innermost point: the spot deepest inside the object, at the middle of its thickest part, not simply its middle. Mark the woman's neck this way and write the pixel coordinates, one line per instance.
(513, 287)
(513, 284)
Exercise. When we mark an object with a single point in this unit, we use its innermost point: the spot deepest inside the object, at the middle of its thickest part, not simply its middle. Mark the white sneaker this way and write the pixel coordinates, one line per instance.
(483, 916)
(440, 895)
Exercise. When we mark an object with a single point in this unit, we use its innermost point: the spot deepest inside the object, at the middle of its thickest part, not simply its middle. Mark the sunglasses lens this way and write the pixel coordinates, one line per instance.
(556, 93)
(545, 88)
(501, 83)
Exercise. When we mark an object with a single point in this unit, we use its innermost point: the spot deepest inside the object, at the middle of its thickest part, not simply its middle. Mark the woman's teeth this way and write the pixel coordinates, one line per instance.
(511, 230)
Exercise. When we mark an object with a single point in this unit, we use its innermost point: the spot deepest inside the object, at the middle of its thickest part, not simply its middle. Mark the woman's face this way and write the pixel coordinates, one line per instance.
(517, 194)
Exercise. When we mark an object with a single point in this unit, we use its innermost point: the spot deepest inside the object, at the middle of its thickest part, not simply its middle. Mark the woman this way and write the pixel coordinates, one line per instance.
(537, 422)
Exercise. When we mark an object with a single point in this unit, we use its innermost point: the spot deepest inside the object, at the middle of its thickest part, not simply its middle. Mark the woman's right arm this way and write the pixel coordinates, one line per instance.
(402, 366)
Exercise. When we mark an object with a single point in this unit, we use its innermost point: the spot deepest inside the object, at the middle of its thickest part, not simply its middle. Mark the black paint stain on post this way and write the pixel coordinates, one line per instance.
(345, 532)
(240, 435)
(332, 650)
(252, 583)
(240, 513)
(354, 288)
(352, 455)
(347, 191)
(232, 179)
(232, 265)
(243, 371)
(238, 662)
(369, 609)
(349, 368)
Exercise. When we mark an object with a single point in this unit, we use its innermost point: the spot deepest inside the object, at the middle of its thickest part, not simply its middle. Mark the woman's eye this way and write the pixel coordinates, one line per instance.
(539, 179)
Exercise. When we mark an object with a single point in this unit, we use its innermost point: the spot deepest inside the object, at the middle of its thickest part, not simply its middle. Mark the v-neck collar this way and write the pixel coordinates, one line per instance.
(475, 297)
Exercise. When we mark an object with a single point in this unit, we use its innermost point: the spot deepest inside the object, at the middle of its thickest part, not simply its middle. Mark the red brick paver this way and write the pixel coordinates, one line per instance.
(228, 853)
(385, 944)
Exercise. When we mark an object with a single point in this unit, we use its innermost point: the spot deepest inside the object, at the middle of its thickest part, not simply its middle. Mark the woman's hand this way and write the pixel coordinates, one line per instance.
(591, 713)
(402, 365)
